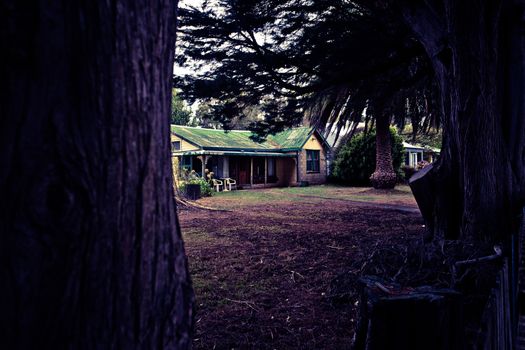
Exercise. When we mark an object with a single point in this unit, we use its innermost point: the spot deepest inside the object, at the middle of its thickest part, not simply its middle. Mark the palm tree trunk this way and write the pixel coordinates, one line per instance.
(384, 176)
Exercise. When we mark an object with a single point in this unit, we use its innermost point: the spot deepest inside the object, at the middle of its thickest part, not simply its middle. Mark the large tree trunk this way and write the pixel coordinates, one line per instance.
(91, 254)
(479, 178)
(384, 175)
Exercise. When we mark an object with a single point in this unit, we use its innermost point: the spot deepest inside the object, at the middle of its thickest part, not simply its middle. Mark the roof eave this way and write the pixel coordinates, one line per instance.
(240, 149)
(323, 140)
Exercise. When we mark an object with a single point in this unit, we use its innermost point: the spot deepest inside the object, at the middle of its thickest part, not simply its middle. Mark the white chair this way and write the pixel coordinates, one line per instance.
(217, 184)
(230, 182)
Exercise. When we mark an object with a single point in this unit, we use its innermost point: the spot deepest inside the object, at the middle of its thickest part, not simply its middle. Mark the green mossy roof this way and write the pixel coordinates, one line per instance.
(291, 139)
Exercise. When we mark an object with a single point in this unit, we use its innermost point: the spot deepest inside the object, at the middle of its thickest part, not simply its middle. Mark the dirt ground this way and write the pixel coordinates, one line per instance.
(263, 271)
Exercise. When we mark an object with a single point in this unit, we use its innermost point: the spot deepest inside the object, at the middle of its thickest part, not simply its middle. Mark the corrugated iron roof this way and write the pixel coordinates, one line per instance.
(294, 138)
(408, 145)
(233, 153)
(291, 139)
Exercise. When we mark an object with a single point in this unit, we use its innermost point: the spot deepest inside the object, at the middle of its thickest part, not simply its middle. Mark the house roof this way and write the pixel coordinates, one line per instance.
(217, 139)
(412, 147)
(294, 138)
(236, 153)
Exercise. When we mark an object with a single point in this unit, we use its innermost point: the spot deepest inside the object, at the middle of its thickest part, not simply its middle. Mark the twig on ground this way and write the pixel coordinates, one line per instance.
(250, 304)
(295, 273)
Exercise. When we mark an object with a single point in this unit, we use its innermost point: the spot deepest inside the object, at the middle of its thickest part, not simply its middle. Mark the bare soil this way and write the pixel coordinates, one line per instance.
(264, 272)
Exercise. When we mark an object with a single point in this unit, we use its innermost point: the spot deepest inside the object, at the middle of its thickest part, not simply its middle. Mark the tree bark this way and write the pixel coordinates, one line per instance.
(91, 254)
(384, 176)
(479, 178)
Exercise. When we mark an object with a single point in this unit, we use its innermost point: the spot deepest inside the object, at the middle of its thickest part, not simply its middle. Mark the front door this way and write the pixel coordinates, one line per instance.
(240, 169)
(244, 170)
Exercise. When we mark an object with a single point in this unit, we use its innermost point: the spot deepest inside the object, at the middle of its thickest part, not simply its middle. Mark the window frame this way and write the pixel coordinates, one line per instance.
(313, 162)
(174, 148)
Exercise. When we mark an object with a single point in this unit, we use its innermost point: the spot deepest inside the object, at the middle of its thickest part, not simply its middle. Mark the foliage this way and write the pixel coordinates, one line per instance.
(356, 161)
(180, 114)
(303, 63)
(430, 137)
(205, 117)
(214, 114)
(191, 178)
(175, 170)
(422, 164)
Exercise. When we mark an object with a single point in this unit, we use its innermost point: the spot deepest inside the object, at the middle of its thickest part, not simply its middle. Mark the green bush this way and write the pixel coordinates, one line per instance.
(356, 161)
(191, 178)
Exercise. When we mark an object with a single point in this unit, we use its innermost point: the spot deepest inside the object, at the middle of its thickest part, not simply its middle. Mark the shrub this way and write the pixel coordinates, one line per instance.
(422, 164)
(356, 161)
(191, 178)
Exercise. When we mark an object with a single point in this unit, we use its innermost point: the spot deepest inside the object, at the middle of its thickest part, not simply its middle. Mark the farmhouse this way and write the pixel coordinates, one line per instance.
(289, 158)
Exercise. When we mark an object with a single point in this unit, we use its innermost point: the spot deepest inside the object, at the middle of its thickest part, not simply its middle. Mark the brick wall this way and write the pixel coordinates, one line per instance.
(312, 178)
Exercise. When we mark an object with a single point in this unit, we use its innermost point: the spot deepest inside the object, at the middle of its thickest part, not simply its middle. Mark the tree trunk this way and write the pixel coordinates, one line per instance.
(479, 178)
(384, 175)
(90, 247)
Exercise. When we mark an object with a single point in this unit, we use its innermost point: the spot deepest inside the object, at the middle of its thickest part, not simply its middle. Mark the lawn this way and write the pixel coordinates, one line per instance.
(401, 196)
(266, 271)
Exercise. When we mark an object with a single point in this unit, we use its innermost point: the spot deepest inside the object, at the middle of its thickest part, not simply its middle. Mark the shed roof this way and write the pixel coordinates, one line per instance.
(214, 139)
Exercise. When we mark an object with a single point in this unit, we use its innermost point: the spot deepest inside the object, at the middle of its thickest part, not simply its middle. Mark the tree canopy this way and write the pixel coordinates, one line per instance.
(325, 61)
(180, 114)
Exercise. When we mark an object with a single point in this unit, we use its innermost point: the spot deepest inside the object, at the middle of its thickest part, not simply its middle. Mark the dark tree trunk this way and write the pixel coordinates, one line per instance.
(479, 179)
(384, 175)
(91, 254)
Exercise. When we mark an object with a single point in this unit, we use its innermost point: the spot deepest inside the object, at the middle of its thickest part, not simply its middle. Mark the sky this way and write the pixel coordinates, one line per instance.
(186, 3)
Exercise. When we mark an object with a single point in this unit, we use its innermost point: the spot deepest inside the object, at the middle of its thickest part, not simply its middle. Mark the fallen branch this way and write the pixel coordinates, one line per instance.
(179, 198)
(188, 204)
(496, 256)
(462, 263)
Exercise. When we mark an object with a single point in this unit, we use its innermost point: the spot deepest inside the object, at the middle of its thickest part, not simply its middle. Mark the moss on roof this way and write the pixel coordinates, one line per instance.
(290, 139)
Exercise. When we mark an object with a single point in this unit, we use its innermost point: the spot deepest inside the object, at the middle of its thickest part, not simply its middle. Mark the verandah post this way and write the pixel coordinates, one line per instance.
(251, 171)
(265, 171)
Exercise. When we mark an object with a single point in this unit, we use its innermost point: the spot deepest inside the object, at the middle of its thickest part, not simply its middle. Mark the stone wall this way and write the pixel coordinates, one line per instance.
(313, 178)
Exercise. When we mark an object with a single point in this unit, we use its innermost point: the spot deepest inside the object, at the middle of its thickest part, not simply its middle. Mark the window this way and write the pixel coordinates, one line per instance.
(186, 163)
(312, 161)
(413, 160)
(175, 146)
(271, 167)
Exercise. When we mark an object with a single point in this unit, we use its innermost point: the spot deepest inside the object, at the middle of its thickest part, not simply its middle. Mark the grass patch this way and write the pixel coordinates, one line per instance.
(233, 200)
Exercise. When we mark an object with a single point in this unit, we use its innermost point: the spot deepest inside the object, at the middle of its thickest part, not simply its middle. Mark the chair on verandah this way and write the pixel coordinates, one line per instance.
(217, 184)
(230, 183)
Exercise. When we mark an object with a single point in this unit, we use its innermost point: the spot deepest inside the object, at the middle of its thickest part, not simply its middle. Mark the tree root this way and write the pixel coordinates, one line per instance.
(181, 201)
